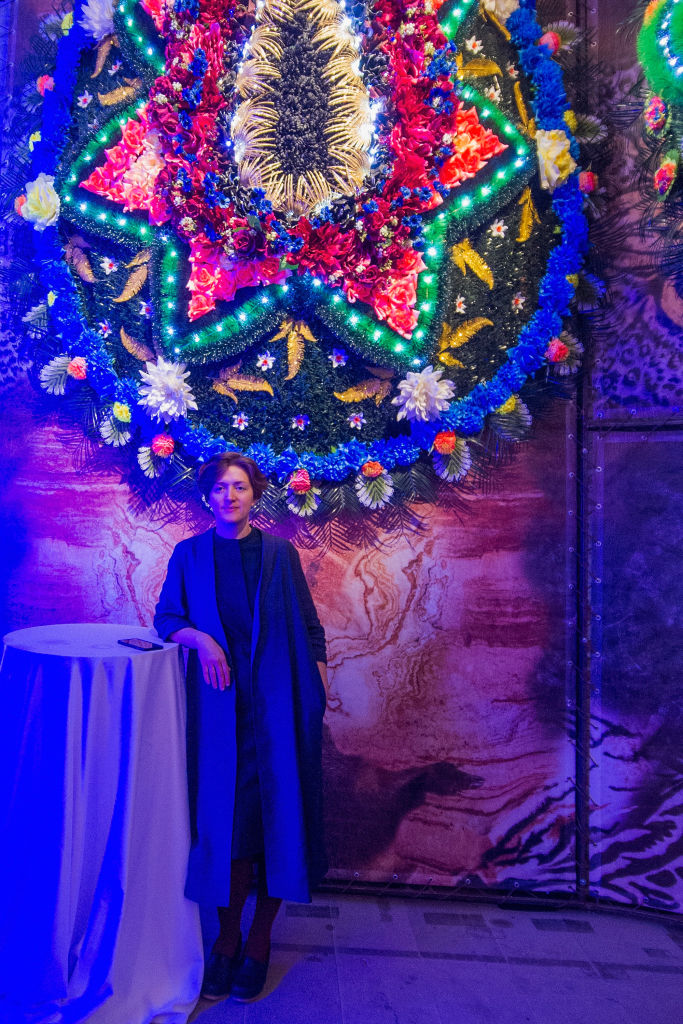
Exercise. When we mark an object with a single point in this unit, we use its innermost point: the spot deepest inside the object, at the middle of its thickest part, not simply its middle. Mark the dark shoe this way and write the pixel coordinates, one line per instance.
(219, 973)
(250, 979)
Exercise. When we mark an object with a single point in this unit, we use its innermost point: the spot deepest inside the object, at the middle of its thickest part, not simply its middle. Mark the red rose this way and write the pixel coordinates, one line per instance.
(200, 305)
(203, 278)
(158, 210)
(135, 198)
(403, 321)
(97, 182)
(133, 134)
(246, 275)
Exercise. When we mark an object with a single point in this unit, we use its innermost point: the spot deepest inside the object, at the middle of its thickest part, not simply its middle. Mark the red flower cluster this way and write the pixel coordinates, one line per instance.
(170, 160)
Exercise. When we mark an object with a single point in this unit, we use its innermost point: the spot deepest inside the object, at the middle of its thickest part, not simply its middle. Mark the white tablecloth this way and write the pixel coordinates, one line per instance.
(94, 831)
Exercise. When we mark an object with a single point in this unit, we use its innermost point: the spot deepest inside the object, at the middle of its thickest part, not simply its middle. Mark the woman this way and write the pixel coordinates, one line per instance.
(257, 691)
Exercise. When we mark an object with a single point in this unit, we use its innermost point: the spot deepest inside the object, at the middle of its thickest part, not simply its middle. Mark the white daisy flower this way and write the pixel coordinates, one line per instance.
(84, 100)
(518, 302)
(474, 45)
(498, 229)
(108, 265)
(460, 304)
(240, 420)
(356, 420)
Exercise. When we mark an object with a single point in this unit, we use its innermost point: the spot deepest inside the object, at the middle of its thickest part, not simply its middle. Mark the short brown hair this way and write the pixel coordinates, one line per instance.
(214, 467)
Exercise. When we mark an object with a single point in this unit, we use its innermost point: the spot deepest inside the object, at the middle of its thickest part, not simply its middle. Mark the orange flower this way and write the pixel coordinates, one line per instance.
(444, 442)
(372, 469)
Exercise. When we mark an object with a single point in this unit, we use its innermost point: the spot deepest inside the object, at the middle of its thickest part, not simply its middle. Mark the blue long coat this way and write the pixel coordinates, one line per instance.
(288, 700)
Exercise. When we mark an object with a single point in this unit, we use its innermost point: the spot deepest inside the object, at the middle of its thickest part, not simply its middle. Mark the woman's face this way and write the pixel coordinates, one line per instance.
(232, 497)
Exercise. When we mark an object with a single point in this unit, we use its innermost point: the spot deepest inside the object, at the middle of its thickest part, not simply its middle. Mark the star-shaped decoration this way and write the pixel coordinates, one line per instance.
(237, 324)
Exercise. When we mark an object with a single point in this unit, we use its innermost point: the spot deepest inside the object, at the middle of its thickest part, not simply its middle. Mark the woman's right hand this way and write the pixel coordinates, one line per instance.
(213, 661)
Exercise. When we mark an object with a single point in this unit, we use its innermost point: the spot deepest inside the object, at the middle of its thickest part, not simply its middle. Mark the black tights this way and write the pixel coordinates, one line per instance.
(230, 918)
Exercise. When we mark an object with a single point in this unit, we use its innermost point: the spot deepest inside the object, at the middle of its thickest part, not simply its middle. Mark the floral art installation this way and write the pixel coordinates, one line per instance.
(338, 236)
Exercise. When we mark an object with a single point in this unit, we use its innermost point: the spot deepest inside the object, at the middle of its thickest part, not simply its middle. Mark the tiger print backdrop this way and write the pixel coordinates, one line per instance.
(506, 711)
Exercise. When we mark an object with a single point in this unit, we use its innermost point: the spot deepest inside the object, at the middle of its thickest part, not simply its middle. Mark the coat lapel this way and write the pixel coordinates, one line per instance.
(260, 611)
(206, 580)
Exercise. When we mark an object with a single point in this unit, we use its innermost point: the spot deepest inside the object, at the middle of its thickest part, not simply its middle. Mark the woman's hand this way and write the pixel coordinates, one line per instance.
(211, 655)
(213, 661)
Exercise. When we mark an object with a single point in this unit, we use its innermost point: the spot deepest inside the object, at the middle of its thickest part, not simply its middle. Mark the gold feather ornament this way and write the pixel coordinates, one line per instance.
(454, 337)
(124, 93)
(77, 258)
(529, 216)
(136, 348)
(373, 388)
(464, 257)
(135, 281)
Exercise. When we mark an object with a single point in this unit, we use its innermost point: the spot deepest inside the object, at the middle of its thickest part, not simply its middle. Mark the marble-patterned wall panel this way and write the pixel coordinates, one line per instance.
(447, 755)
(446, 750)
(637, 713)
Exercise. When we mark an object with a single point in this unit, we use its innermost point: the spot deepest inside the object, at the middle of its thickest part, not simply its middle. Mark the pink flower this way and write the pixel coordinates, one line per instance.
(665, 177)
(556, 351)
(300, 481)
(77, 368)
(45, 83)
(551, 41)
(200, 305)
(588, 181)
(163, 445)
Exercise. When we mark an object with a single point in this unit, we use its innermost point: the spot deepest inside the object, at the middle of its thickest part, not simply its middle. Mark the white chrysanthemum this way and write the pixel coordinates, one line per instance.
(98, 18)
(165, 394)
(501, 9)
(423, 395)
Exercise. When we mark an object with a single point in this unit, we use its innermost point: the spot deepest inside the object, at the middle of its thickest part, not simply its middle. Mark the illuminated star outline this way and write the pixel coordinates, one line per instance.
(225, 334)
